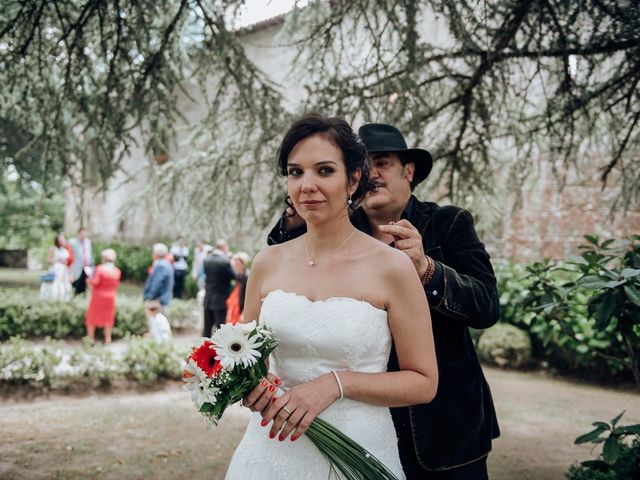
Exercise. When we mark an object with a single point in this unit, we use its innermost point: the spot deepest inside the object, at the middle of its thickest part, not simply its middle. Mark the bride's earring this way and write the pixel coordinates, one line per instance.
(349, 201)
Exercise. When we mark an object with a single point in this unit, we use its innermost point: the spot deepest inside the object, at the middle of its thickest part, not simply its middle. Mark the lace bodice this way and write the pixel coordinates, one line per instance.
(339, 333)
(315, 337)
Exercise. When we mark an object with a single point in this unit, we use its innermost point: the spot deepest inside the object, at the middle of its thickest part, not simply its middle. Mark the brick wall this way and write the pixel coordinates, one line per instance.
(553, 219)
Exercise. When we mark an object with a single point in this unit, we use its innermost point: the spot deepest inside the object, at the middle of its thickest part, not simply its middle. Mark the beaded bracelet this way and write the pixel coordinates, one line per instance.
(339, 384)
(431, 269)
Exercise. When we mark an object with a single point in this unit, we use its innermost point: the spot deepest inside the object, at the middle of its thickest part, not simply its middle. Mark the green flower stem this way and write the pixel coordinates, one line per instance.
(346, 455)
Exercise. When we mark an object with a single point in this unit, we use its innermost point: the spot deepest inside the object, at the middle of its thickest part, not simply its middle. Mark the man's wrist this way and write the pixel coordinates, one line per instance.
(429, 271)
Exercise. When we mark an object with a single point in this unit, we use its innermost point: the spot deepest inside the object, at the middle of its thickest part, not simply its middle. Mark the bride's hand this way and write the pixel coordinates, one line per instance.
(260, 397)
(299, 406)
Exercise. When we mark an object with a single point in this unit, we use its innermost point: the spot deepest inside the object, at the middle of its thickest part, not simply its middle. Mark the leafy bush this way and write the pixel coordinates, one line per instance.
(89, 366)
(505, 345)
(620, 460)
(22, 364)
(183, 314)
(146, 360)
(582, 314)
(133, 261)
(23, 314)
(26, 364)
(590, 305)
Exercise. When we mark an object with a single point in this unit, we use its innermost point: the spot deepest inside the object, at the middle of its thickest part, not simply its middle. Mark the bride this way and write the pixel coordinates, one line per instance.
(335, 298)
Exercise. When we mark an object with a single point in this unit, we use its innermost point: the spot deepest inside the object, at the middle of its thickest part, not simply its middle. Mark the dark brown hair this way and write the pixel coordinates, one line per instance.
(337, 131)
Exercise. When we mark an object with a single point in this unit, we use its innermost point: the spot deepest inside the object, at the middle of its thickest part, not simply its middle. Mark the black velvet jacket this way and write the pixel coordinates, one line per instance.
(457, 427)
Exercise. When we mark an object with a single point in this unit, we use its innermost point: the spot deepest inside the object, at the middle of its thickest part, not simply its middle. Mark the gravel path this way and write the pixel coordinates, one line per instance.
(156, 434)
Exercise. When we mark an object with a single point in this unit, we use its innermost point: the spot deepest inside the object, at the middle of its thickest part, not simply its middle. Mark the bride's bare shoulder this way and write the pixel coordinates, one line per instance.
(273, 254)
(386, 257)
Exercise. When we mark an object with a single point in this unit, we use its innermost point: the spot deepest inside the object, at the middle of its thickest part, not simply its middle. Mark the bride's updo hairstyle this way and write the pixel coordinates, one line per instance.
(337, 131)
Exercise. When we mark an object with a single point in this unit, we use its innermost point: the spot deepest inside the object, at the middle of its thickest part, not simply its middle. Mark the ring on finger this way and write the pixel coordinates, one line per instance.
(286, 409)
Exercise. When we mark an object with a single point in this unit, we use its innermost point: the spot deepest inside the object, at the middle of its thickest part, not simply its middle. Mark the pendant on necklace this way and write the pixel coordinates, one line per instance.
(312, 263)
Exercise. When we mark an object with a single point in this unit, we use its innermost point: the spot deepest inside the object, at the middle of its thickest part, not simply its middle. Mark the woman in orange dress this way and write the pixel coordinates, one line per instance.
(102, 308)
(235, 302)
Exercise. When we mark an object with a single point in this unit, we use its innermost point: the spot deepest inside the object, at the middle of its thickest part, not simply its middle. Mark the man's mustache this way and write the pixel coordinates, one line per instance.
(377, 185)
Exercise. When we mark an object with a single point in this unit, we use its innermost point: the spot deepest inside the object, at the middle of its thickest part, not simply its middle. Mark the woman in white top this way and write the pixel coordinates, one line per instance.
(59, 259)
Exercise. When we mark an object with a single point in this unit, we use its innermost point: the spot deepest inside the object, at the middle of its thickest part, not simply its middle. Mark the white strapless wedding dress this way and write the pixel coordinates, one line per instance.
(317, 337)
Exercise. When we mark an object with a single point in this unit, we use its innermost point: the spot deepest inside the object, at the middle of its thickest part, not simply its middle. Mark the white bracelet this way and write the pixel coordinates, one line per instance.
(339, 384)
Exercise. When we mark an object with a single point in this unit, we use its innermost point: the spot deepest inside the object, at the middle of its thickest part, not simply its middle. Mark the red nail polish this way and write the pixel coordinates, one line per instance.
(272, 388)
(272, 435)
(264, 383)
(273, 399)
(263, 423)
(293, 438)
(277, 381)
(280, 438)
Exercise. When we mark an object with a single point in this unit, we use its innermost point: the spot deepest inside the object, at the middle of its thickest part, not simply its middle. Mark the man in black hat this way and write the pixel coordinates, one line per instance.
(450, 437)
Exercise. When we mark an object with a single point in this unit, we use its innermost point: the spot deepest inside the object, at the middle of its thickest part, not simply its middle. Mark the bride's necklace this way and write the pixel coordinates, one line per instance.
(313, 263)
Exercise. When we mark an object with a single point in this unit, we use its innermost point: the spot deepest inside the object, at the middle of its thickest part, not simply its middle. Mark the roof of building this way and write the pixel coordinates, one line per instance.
(262, 24)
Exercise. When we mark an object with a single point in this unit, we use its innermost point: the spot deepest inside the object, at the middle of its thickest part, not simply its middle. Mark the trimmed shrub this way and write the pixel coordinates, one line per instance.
(24, 364)
(133, 261)
(146, 360)
(24, 315)
(505, 345)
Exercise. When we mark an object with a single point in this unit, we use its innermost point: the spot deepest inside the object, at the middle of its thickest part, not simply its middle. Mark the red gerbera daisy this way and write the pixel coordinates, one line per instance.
(205, 357)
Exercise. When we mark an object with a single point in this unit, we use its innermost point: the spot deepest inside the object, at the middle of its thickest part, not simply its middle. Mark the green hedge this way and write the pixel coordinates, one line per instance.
(46, 366)
(134, 262)
(23, 314)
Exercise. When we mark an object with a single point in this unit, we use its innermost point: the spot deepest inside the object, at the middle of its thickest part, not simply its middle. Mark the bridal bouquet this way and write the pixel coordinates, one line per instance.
(225, 368)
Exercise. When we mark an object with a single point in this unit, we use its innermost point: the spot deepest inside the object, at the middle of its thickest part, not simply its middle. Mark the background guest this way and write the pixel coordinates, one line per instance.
(159, 328)
(159, 284)
(82, 260)
(223, 246)
(235, 302)
(102, 308)
(199, 254)
(218, 276)
(180, 253)
(59, 258)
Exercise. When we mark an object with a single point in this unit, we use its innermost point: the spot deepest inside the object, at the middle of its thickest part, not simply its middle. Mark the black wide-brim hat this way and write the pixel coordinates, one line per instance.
(380, 137)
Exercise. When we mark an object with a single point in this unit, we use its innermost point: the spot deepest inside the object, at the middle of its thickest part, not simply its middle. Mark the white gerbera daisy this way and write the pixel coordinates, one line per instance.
(204, 394)
(194, 375)
(199, 385)
(247, 328)
(234, 347)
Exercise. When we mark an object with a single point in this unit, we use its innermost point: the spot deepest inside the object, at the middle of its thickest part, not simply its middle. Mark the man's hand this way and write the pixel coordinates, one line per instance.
(407, 238)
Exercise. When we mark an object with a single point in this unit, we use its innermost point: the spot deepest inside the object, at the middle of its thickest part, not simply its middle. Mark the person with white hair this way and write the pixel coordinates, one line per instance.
(102, 307)
(159, 284)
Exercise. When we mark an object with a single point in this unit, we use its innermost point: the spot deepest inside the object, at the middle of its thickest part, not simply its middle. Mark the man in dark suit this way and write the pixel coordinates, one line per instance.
(449, 438)
(218, 275)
